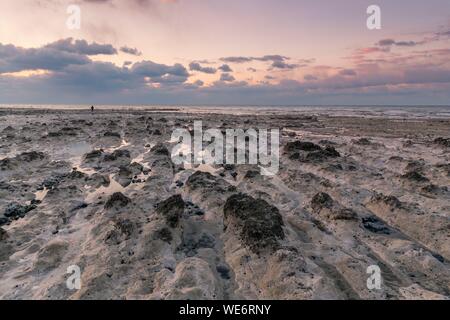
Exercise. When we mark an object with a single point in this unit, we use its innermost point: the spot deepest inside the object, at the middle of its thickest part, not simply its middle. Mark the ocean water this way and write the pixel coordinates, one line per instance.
(394, 112)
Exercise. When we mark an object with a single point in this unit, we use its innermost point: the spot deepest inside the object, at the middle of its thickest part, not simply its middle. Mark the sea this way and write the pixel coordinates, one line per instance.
(386, 111)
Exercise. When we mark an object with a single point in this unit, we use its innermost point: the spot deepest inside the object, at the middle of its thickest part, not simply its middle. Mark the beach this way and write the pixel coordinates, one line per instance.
(355, 188)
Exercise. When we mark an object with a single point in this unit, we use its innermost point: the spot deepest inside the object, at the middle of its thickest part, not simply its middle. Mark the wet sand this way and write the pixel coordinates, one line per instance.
(100, 191)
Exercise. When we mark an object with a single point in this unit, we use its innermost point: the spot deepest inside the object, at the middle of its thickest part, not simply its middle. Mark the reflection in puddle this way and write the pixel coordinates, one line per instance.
(73, 150)
(74, 153)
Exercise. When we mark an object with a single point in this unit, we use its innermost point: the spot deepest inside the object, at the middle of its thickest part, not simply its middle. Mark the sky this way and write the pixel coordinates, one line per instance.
(217, 52)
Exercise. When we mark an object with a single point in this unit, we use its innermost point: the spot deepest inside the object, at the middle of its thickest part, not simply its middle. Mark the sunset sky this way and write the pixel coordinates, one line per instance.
(219, 52)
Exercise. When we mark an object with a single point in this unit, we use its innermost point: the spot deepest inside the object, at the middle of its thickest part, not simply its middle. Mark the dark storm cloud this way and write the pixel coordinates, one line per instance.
(95, 77)
(14, 59)
(82, 47)
(71, 67)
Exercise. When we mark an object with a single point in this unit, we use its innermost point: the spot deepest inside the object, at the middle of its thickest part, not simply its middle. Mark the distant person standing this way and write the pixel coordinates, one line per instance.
(92, 109)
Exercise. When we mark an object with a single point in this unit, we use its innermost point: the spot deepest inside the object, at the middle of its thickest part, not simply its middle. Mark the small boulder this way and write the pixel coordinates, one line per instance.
(301, 146)
(320, 155)
(99, 180)
(117, 199)
(136, 168)
(415, 176)
(121, 153)
(31, 156)
(321, 200)
(160, 149)
(3, 220)
(260, 224)
(323, 204)
(94, 154)
(15, 210)
(444, 142)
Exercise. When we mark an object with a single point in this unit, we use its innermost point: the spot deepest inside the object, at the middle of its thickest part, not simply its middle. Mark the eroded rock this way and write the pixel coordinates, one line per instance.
(309, 152)
(415, 176)
(123, 229)
(31, 156)
(301, 146)
(205, 180)
(15, 210)
(117, 199)
(94, 154)
(324, 205)
(160, 149)
(390, 201)
(172, 209)
(444, 142)
(375, 225)
(117, 154)
(259, 224)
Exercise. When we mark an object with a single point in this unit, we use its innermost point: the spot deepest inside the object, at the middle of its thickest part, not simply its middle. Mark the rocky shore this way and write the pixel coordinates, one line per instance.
(100, 191)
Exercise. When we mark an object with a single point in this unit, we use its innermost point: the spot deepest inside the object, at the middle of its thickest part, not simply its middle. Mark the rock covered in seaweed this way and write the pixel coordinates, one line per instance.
(309, 152)
(259, 224)
(172, 209)
(117, 199)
